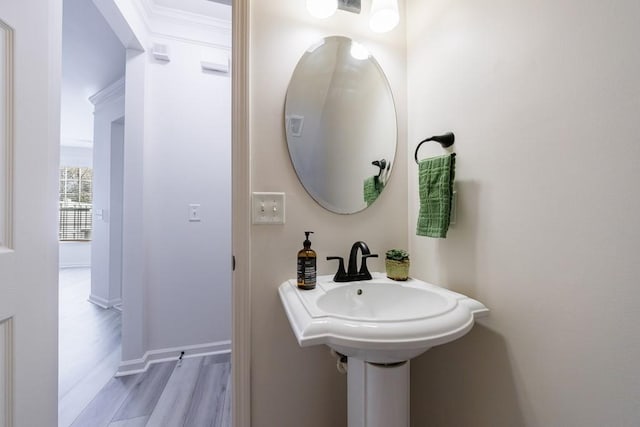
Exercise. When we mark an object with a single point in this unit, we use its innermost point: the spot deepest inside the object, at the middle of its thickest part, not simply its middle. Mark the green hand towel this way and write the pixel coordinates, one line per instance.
(372, 189)
(435, 179)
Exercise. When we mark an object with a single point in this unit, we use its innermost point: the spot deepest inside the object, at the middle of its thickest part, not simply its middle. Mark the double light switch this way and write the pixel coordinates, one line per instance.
(267, 208)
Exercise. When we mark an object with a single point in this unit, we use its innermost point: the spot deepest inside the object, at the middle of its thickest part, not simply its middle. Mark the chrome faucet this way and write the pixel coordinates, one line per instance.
(353, 273)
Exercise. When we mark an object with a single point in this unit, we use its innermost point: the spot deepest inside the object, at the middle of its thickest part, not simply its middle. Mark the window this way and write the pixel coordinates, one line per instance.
(76, 196)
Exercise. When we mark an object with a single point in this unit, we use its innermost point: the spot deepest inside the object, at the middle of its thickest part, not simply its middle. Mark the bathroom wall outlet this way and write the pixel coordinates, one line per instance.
(267, 208)
(194, 212)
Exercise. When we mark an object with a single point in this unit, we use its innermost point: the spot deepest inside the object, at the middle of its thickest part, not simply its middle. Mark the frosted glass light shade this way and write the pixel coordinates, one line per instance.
(384, 15)
(322, 8)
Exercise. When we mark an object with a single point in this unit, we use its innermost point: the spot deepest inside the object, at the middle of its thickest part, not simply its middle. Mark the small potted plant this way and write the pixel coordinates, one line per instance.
(397, 264)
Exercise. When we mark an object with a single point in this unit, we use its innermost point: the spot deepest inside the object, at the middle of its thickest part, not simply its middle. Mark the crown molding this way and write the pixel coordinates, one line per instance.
(109, 93)
(166, 22)
(155, 10)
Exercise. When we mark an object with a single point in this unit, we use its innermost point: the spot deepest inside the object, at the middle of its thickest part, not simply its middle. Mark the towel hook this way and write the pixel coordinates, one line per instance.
(382, 164)
(446, 140)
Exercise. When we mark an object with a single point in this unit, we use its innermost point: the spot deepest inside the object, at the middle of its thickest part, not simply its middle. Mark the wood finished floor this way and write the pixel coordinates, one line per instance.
(192, 393)
(89, 344)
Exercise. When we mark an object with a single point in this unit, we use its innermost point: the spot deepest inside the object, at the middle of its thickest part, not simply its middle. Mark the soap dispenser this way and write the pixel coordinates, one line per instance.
(307, 265)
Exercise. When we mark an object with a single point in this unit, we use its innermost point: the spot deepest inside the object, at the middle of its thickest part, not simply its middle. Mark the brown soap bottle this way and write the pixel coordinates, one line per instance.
(307, 265)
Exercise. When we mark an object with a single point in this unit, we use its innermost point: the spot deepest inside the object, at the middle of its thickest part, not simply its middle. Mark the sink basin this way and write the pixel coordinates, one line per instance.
(378, 320)
(382, 302)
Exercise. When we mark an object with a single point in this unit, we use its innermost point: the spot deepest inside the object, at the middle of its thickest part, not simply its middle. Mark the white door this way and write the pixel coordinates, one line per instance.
(29, 134)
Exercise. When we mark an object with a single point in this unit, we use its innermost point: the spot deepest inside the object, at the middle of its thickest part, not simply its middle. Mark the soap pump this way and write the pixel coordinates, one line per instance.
(307, 265)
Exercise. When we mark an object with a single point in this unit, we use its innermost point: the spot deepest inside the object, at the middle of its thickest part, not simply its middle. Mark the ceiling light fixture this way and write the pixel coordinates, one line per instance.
(322, 8)
(384, 15)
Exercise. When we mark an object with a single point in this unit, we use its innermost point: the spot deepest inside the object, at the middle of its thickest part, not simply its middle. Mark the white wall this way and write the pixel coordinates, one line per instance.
(74, 254)
(543, 98)
(187, 161)
(92, 58)
(76, 154)
(109, 108)
(134, 340)
(292, 386)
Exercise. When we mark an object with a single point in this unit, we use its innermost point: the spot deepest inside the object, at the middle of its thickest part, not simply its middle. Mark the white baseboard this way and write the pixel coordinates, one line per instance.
(136, 366)
(63, 266)
(104, 303)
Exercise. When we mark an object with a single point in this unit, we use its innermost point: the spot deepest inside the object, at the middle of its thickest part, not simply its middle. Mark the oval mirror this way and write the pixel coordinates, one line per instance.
(341, 126)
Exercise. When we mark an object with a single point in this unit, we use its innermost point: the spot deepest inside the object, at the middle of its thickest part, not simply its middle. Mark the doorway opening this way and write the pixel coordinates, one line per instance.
(90, 207)
(160, 215)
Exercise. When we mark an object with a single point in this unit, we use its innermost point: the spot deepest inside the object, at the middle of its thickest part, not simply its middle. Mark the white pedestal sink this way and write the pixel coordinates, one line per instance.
(379, 325)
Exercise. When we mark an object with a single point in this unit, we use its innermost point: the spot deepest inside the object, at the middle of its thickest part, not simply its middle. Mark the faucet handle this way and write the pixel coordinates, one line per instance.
(341, 275)
(364, 271)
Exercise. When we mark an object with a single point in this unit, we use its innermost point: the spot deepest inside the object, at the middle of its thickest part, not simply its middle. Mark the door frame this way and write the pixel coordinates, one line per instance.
(241, 218)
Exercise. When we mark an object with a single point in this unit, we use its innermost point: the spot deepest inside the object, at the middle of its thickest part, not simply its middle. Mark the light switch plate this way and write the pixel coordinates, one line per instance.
(194, 212)
(267, 208)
